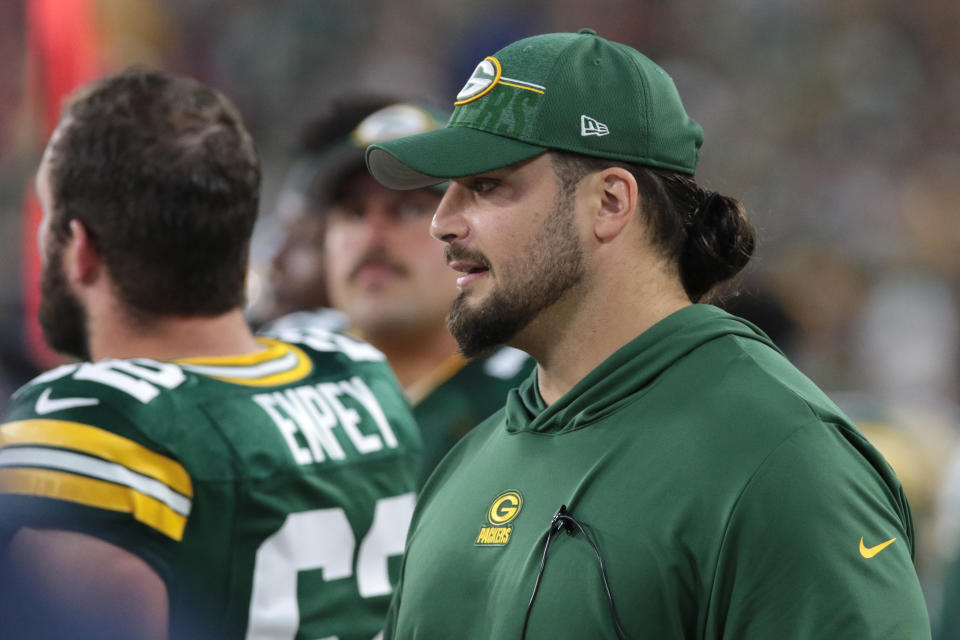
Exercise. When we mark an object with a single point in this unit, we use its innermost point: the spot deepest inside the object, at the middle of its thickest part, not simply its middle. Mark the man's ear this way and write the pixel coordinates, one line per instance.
(81, 259)
(618, 193)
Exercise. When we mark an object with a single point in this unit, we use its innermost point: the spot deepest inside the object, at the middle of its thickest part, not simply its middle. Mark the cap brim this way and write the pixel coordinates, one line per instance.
(435, 156)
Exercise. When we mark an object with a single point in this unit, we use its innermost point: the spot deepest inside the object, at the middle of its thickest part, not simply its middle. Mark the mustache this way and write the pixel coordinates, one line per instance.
(455, 252)
(379, 258)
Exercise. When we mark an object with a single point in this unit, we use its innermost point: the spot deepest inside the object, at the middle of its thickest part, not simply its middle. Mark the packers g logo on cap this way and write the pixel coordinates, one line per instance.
(488, 75)
(483, 79)
(503, 510)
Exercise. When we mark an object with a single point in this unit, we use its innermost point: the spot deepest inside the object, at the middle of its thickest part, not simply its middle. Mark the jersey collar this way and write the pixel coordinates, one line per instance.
(280, 363)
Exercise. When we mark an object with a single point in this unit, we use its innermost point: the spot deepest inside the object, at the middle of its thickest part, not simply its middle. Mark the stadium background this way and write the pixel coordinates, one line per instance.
(836, 123)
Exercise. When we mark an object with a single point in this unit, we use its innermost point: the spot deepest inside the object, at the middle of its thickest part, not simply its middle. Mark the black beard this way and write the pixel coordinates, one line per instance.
(61, 315)
(480, 331)
(551, 265)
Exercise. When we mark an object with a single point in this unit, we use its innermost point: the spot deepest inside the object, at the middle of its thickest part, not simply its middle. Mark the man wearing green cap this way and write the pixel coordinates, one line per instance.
(665, 472)
(386, 277)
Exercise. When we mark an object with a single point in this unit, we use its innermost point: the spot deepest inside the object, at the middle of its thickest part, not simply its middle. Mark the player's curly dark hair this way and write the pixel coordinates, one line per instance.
(707, 236)
(163, 174)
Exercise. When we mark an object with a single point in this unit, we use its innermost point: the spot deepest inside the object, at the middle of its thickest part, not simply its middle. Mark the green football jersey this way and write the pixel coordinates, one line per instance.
(271, 492)
(461, 395)
(710, 490)
(450, 401)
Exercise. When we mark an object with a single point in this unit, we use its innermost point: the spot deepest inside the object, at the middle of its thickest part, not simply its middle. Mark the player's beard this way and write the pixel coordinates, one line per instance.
(62, 317)
(548, 267)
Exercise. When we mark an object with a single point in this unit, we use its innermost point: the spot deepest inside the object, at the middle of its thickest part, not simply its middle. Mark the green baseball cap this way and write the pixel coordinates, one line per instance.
(570, 91)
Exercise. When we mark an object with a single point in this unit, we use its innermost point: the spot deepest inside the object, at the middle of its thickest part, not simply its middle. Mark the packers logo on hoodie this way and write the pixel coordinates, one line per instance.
(502, 511)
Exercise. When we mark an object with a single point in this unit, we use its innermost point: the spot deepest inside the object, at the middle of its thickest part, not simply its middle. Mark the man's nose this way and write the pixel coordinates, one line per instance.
(379, 221)
(448, 223)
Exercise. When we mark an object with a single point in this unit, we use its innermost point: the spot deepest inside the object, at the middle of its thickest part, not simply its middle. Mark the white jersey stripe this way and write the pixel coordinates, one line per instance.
(286, 363)
(78, 463)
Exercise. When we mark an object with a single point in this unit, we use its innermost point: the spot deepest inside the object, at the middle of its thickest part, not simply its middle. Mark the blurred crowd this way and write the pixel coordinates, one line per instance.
(837, 125)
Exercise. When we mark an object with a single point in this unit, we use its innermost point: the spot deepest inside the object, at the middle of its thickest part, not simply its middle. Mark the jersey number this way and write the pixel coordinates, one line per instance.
(323, 539)
(138, 377)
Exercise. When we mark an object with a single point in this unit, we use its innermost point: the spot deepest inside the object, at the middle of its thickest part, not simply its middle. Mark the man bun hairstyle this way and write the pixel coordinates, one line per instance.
(719, 243)
(704, 235)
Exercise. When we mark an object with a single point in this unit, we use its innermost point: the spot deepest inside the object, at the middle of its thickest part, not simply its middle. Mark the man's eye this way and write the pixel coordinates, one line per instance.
(345, 212)
(484, 185)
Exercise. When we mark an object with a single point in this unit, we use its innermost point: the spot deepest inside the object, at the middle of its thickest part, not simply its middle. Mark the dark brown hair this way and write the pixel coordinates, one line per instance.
(705, 235)
(164, 176)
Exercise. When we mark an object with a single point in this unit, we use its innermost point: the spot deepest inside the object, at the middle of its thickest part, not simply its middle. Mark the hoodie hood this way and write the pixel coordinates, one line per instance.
(629, 370)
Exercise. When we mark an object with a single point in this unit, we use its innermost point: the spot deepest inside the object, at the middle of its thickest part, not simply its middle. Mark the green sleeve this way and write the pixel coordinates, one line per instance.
(390, 625)
(948, 622)
(84, 470)
(791, 562)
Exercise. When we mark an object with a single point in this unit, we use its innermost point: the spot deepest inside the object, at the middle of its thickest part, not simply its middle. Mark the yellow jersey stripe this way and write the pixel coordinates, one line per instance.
(84, 465)
(274, 349)
(280, 363)
(100, 443)
(94, 493)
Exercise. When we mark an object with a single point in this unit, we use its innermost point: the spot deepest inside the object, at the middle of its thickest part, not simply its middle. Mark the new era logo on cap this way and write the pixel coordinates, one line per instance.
(591, 127)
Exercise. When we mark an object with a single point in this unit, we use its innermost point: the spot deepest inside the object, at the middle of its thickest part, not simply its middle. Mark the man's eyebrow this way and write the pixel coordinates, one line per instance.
(496, 174)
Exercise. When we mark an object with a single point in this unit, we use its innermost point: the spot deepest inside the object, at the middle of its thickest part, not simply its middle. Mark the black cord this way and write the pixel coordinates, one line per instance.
(536, 585)
(562, 519)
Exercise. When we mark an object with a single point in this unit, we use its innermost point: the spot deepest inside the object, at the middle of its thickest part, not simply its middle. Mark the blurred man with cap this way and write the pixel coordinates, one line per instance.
(384, 272)
(294, 285)
(665, 472)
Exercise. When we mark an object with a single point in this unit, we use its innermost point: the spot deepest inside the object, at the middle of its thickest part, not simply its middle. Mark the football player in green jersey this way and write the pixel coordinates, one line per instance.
(186, 479)
(388, 277)
(666, 472)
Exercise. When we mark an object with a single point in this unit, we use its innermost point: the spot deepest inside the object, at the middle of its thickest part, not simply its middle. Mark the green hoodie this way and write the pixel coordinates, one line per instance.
(726, 495)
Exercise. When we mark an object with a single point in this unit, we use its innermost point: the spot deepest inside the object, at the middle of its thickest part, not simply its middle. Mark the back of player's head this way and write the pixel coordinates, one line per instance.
(164, 176)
